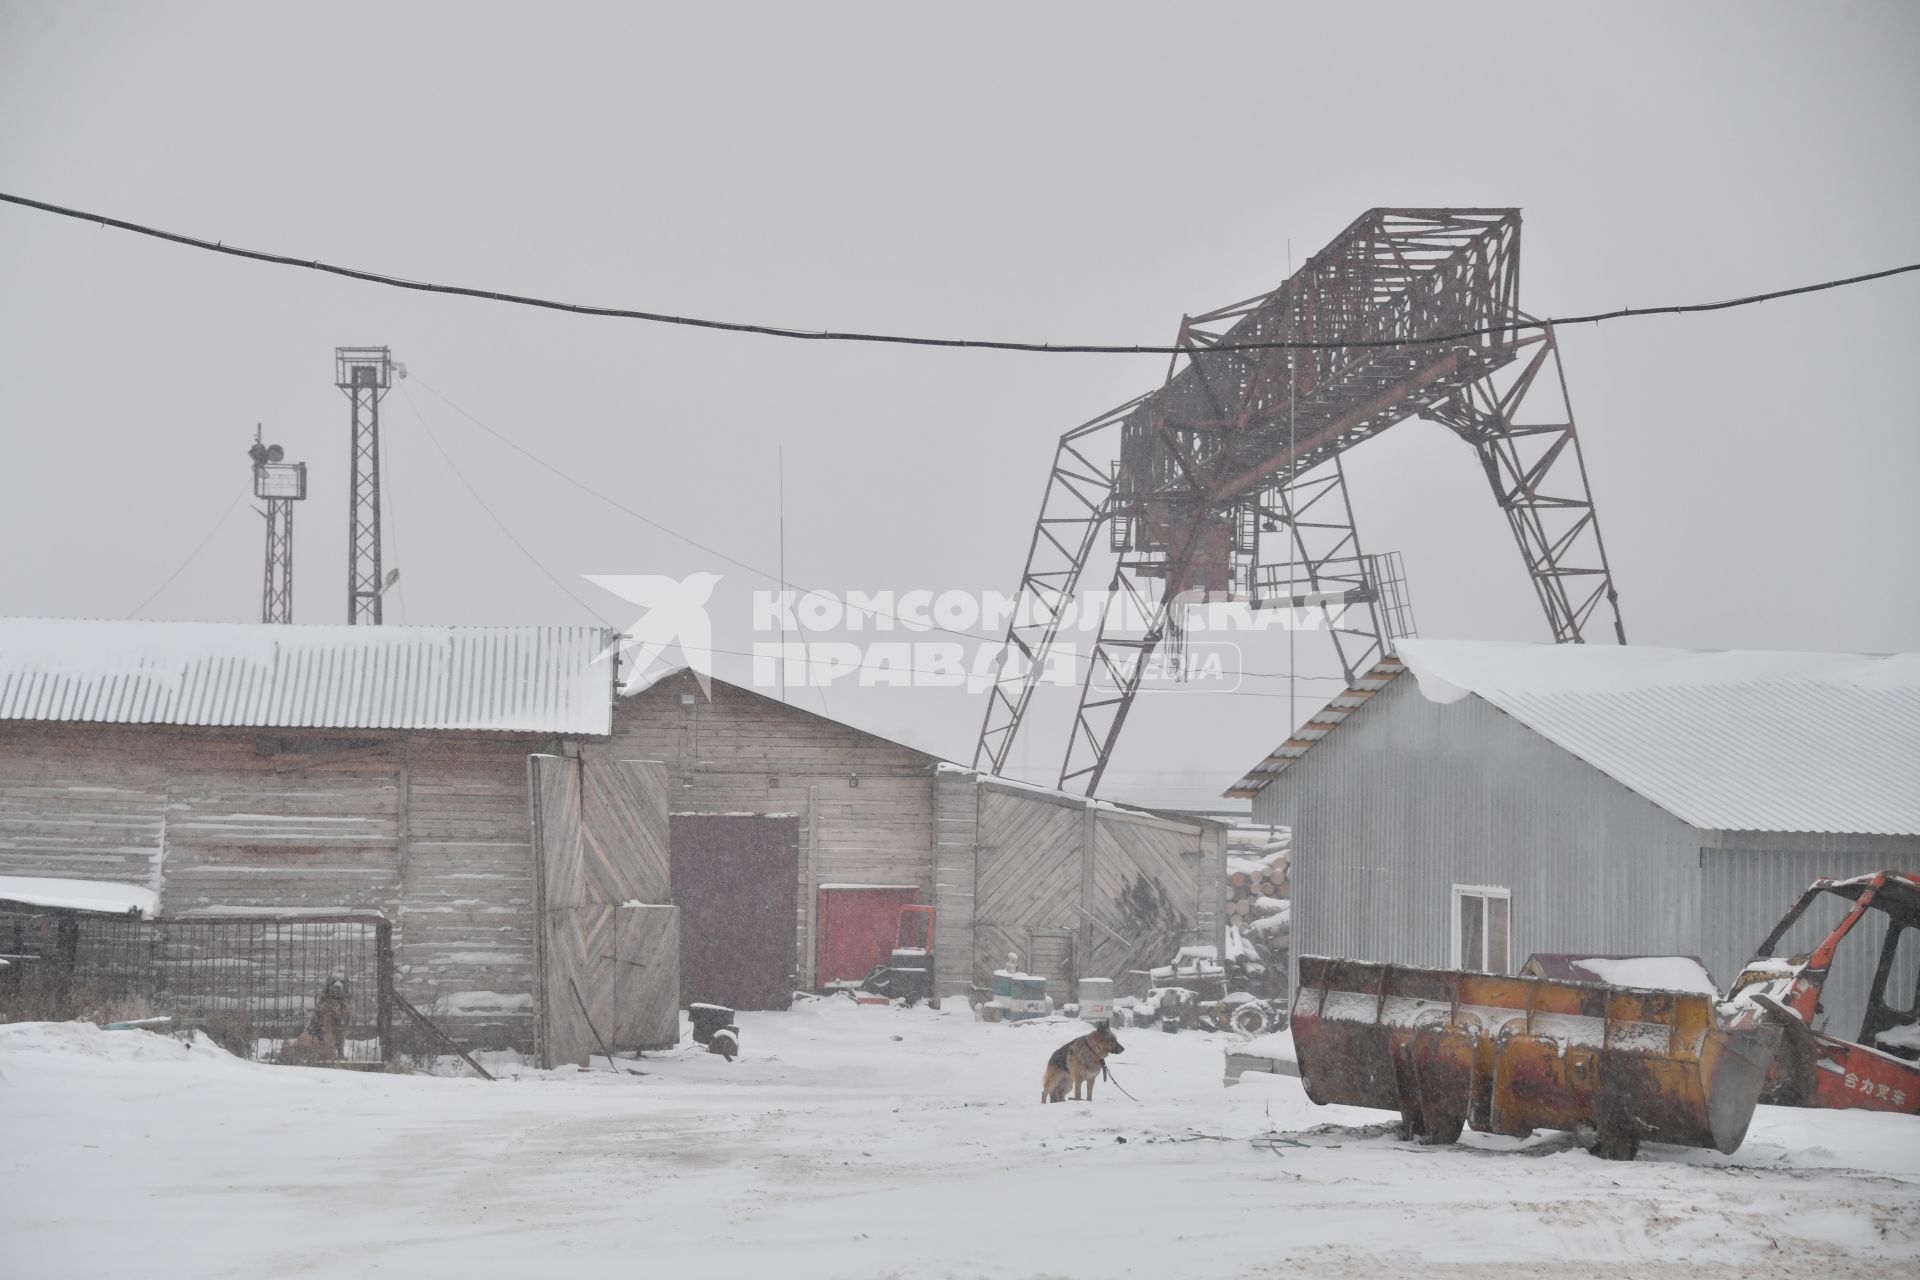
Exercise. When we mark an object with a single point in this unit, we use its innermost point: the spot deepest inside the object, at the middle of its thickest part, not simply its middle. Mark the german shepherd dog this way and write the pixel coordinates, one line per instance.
(1078, 1062)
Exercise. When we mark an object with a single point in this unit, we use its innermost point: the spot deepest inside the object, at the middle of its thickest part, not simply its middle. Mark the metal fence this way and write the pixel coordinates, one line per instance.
(313, 989)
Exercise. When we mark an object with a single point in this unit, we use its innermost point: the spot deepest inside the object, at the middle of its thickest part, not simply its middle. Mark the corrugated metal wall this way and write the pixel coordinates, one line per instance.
(1411, 797)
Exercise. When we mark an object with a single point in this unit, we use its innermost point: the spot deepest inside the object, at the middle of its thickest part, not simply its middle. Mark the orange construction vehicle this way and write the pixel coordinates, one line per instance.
(1448, 1049)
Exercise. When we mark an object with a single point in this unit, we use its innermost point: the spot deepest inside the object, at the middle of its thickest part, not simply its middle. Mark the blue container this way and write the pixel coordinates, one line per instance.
(1029, 997)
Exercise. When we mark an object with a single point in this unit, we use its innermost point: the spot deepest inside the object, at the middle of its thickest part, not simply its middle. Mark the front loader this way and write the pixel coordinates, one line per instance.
(1449, 1049)
(1879, 1069)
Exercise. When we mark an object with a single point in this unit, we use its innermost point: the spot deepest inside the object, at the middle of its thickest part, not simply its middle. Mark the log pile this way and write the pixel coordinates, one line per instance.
(1259, 906)
(1257, 884)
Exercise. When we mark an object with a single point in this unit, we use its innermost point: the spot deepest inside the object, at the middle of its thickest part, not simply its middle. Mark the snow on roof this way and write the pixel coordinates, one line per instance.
(1724, 740)
(80, 895)
(528, 679)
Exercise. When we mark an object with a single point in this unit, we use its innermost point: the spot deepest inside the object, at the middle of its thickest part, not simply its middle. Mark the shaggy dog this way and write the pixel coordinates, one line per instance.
(325, 1039)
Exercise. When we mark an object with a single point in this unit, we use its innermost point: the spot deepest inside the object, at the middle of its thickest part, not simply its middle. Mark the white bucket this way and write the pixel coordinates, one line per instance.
(1096, 999)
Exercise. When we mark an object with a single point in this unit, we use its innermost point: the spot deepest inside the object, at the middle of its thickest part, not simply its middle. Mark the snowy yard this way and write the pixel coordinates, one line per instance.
(871, 1142)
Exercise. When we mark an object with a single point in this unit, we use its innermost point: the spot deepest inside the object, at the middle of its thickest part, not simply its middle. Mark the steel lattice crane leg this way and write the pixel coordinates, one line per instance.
(1076, 503)
(1523, 430)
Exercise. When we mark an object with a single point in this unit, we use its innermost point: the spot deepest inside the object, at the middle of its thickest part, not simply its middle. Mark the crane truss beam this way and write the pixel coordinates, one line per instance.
(1233, 427)
(1078, 498)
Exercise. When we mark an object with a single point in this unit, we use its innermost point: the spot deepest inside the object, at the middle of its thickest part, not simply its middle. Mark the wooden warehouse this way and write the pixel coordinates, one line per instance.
(283, 768)
(788, 826)
(531, 834)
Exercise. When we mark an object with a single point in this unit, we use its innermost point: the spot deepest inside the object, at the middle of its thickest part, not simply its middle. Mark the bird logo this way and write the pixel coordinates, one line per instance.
(675, 617)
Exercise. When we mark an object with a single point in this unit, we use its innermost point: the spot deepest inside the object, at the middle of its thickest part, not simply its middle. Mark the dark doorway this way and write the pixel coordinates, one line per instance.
(735, 880)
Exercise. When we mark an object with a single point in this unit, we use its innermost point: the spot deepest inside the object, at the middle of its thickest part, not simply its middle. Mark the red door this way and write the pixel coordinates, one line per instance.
(859, 925)
(735, 880)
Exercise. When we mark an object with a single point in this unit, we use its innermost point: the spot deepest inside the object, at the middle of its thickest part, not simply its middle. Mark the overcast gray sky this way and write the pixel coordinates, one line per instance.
(1058, 172)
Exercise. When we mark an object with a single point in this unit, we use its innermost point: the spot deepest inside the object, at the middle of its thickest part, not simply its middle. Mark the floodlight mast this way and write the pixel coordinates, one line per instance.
(1237, 444)
(364, 373)
(279, 484)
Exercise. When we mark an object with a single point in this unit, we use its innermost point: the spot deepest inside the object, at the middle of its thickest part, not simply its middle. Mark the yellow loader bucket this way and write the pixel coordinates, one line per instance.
(1510, 1055)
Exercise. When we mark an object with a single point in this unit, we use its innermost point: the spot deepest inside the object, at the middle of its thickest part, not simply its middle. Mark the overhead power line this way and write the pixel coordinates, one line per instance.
(908, 340)
(194, 554)
(671, 532)
(798, 590)
(499, 522)
(492, 515)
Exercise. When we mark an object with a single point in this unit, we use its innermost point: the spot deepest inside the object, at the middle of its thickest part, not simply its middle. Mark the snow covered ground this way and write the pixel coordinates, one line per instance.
(872, 1142)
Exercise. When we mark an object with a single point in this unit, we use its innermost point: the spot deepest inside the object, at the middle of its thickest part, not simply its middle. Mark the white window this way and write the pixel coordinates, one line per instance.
(1482, 928)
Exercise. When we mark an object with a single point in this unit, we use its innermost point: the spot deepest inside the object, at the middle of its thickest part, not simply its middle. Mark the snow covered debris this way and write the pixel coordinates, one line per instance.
(1901, 1037)
(1652, 973)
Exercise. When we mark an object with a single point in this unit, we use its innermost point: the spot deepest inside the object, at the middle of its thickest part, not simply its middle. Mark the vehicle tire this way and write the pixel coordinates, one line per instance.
(1252, 1019)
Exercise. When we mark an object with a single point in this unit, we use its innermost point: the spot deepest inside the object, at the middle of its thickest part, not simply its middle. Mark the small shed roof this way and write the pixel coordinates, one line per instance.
(103, 897)
(1729, 740)
(506, 679)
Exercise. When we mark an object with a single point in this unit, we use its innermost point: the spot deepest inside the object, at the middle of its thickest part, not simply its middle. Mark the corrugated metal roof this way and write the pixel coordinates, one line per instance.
(1303, 739)
(1725, 740)
(505, 679)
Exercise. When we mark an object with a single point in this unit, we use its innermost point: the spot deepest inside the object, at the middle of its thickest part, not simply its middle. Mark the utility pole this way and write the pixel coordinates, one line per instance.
(364, 373)
(279, 484)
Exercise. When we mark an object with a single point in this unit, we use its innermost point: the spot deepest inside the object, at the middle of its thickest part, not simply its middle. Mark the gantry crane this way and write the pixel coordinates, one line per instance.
(1407, 313)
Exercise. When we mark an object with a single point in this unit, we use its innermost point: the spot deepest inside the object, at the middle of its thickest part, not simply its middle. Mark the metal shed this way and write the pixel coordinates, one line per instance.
(1469, 803)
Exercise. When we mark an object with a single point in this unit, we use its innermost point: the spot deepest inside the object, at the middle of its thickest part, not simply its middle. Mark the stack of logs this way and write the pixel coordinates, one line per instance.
(1259, 908)
(1257, 876)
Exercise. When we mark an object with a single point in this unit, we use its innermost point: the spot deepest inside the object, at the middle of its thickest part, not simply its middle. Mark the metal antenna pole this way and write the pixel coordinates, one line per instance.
(364, 373)
(780, 465)
(279, 484)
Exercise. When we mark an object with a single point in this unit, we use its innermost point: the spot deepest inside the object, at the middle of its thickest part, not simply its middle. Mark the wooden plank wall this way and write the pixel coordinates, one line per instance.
(606, 979)
(464, 933)
(1130, 887)
(431, 830)
(62, 814)
(315, 833)
(1144, 902)
(1028, 876)
(626, 828)
(957, 835)
(560, 1033)
(744, 753)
